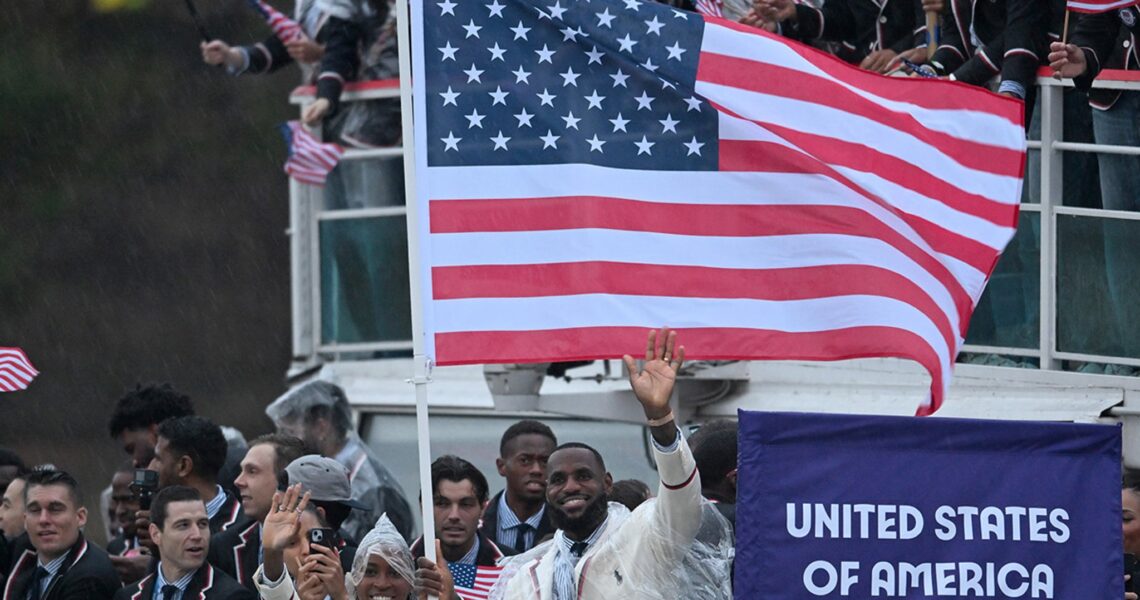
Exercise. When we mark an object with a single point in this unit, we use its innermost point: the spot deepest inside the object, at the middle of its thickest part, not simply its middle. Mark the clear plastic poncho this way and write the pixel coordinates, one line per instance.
(297, 402)
(637, 558)
(387, 543)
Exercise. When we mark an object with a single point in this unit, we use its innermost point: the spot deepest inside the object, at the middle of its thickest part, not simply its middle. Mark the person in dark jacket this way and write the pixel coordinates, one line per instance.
(982, 39)
(273, 53)
(873, 33)
(516, 518)
(60, 564)
(459, 491)
(181, 530)
(237, 551)
(1108, 41)
(191, 451)
(714, 450)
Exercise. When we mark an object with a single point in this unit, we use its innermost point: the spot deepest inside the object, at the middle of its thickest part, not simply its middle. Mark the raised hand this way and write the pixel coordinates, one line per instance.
(283, 525)
(653, 384)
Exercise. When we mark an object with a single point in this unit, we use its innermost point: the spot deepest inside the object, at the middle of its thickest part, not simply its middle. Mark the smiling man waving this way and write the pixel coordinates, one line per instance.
(600, 551)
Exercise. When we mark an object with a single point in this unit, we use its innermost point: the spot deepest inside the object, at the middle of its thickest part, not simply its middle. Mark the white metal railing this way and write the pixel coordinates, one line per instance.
(1051, 147)
(307, 212)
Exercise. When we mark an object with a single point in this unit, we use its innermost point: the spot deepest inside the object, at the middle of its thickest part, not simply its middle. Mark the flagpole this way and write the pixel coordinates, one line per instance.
(932, 31)
(422, 375)
(1065, 29)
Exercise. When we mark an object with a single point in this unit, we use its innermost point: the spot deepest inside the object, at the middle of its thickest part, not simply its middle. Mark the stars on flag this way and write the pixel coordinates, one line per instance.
(608, 82)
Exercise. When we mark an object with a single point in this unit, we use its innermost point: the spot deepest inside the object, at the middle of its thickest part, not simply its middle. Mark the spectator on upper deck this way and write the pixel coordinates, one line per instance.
(982, 39)
(1108, 41)
(874, 33)
(361, 46)
(272, 53)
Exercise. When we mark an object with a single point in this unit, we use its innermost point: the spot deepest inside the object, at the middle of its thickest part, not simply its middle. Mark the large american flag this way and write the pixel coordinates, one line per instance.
(1098, 6)
(588, 169)
(472, 582)
(16, 371)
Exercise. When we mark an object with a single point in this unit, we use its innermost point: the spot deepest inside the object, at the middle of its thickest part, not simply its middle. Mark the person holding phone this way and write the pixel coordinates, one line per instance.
(299, 565)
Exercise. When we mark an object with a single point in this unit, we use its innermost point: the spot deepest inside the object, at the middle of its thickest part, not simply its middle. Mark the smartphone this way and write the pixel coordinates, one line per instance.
(145, 485)
(1131, 566)
(322, 536)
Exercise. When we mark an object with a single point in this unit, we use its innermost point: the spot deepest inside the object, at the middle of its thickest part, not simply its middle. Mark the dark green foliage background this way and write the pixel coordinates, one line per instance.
(142, 222)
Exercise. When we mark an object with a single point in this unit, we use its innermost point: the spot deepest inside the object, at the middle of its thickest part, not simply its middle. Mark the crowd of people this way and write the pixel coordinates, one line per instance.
(313, 513)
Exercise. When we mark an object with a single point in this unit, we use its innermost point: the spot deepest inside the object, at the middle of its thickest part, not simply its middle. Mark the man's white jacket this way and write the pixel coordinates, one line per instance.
(638, 555)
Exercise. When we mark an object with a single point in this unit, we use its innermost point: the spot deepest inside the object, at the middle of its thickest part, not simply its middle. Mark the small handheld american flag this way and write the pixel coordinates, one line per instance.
(283, 27)
(309, 160)
(1097, 6)
(472, 582)
(709, 8)
(16, 371)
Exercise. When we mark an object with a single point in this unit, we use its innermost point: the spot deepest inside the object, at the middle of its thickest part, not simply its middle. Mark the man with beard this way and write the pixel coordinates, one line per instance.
(459, 491)
(601, 553)
(516, 517)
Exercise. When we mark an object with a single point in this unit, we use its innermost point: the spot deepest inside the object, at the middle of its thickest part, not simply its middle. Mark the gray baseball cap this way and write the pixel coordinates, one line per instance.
(324, 478)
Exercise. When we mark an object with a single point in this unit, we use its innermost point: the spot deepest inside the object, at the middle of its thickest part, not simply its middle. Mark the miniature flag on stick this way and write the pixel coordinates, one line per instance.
(1096, 6)
(709, 8)
(309, 160)
(16, 371)
(283, 27)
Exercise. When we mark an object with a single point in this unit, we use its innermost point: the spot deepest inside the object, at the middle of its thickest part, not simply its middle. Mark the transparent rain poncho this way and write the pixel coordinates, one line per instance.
(297, 402)
(387, 543)
(640, 557)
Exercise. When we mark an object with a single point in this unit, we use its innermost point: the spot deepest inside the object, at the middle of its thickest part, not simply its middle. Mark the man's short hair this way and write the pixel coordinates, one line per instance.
(168, 494)
(200, 439)
(286, 449)
(148, 405)
(629, 492)
(597, 455)
(714, 450)
(311, 401)
(453, 468)
(1130, 479)
(525, 427)
(53, 476)
(8, 458)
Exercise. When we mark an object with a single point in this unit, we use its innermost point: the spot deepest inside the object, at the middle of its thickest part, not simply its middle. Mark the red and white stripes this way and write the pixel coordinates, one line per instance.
(16, 371)
(852, 216)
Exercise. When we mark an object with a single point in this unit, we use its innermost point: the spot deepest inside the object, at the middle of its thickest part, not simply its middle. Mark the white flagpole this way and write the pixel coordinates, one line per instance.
(422, 376)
